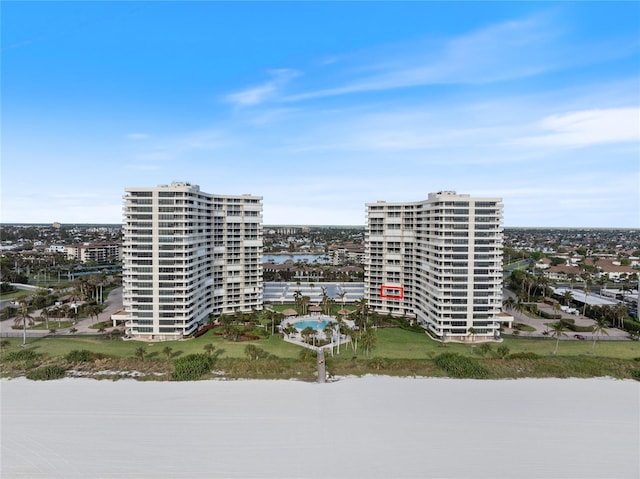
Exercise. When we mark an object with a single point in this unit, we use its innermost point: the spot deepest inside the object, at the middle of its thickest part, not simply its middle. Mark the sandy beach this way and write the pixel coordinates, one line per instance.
(372, 427)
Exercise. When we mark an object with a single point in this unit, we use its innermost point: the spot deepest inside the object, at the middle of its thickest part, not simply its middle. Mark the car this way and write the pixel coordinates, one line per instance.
(579, 336)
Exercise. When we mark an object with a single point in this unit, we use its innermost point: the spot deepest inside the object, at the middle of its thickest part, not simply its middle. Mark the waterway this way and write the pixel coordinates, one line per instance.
(304, 258)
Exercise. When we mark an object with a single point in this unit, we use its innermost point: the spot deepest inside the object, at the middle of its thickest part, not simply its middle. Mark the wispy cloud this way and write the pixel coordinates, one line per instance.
(587, 127)
(503, 51)
(261, 93)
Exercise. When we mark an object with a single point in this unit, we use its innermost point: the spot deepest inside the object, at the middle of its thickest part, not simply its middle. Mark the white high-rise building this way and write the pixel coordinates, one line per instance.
(187, 254)
(438, 261)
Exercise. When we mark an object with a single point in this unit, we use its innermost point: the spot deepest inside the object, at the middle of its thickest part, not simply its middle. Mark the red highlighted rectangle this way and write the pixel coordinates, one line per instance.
(391, 292)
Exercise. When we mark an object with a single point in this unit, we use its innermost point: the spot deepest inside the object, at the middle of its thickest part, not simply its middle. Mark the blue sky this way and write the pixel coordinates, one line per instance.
(323, 107)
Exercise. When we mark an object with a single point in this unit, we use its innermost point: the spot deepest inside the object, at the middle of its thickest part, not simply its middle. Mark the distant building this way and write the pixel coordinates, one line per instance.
(188, 254)
(438, 260)
(94, 252)
(347, 253)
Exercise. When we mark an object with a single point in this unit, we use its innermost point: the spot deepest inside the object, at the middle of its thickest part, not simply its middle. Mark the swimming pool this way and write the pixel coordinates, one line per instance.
(317, 324)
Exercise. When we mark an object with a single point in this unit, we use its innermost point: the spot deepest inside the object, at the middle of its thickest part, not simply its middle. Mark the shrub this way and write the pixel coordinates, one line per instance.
(308, 354)
(524, 355)
(503, 351)
(192, 367)
(635, 374)
(404, 323)
(632, 326)
(254, 352)
(46, 373)
(82, 356)
(458, 366)
(547, 315)
(22, 355)
(485, 349)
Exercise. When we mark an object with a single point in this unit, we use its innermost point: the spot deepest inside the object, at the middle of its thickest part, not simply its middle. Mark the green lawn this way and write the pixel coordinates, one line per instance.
(15, 294)
(52, 324)
(61, 345)
(393, 343)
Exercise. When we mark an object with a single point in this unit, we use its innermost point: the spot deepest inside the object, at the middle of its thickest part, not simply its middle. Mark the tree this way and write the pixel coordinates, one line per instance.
(598, 329)
(620, 312)
(567, 296)
(586, 296)
(328, 331)
(44, 315)
(140, 353)
(168, 352)
(342, 295)
(369, 339)
(472, 332)
(509, 303)
(304, 303)
(307, 333)
(23, 318)
(209, 349)
(362, 313)
(557, 331)
(297, 297)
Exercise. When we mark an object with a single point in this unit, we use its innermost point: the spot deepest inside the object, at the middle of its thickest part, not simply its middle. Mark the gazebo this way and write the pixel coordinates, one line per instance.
(315, 310)
(288, 313)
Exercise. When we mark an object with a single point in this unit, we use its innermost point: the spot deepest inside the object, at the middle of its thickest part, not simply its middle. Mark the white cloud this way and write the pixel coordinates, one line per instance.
(587, 127)
(260, 94)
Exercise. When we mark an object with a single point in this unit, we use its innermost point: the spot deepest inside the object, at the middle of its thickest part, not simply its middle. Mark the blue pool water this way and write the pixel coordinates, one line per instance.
(312, 323)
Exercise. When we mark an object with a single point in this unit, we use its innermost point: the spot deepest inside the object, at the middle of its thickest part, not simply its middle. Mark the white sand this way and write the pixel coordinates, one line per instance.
(372, 427)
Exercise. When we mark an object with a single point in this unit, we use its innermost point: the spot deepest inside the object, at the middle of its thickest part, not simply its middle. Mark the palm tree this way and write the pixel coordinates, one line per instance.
(620, 312)
(363, 312)
(509, 303)
(598, 329)
(168, 352)
(472, 332)
(297, 297)
(44, 314)
(586, 295)
(342, 296)
(567, 296)
(304, 303)
(369, 338)
(307, 333)
(557, 331)
(209, 348)
(23, 317)
(353, 336)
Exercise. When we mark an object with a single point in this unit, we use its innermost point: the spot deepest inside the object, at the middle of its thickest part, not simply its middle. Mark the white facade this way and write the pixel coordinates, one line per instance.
(188, 254)
(94, 252)
(438, 261)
